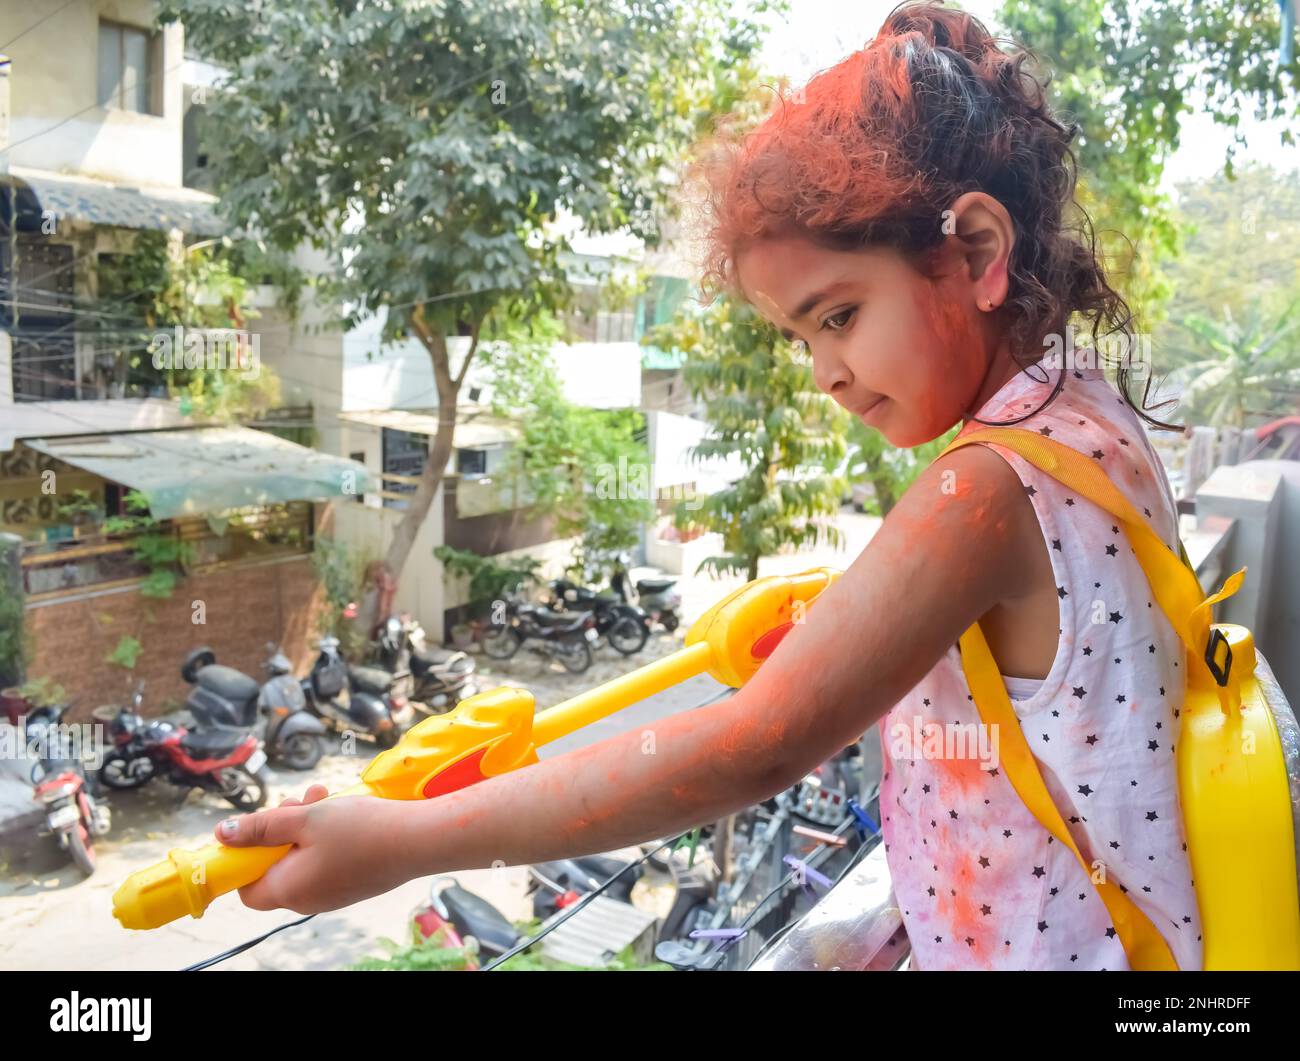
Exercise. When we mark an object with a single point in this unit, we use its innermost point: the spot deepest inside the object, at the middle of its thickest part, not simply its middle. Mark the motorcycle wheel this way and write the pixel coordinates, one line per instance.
(119, 771)
(628, 636)
(242, 790)
(575, 656)
(82, 849)
(670, 621)
(501, 645)
(302, 751)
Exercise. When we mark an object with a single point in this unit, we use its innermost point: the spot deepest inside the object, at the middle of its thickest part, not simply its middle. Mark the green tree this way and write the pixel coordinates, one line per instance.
(428, 149)
(887, 469)
(1248, 362)
(1127, 73)
(1239, 252)
(585, 467)
(159, 284)
(764, 409)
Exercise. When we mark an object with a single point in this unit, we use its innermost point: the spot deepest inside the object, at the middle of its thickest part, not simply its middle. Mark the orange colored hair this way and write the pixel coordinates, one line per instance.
(874, 150)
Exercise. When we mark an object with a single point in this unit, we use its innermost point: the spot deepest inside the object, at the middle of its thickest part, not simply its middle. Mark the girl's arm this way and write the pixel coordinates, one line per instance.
(952, 549)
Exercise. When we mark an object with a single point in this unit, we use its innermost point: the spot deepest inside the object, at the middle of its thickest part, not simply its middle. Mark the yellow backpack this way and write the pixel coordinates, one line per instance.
(1235, 769)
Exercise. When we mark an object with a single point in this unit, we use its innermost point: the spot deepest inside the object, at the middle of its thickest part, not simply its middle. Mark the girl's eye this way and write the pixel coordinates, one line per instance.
(839, 321)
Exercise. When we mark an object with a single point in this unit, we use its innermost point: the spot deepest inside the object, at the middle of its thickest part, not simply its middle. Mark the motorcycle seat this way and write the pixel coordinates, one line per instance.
(370, 679)
(212, 742)
(558, 620)
(655, 585)
(233, 685)
(424, 661)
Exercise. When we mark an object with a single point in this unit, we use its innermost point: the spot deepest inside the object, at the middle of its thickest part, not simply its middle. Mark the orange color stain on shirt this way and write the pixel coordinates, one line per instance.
(966, 773)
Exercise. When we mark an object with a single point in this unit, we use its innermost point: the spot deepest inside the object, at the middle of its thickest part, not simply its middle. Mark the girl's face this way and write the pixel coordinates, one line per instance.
(904, 353)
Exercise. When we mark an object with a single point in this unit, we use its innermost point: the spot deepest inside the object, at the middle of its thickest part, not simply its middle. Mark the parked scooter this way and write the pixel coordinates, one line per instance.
(555, 885)
(458, 914)
(655, 596)
(625, 626)
(349, 698)
(566, 636)
(218, 759)
(224, 696)
(434, 679)
(74, 809)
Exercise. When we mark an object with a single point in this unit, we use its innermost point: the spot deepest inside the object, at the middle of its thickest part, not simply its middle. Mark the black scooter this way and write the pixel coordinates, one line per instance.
(352, 699)
(224, 696)
(434, 679)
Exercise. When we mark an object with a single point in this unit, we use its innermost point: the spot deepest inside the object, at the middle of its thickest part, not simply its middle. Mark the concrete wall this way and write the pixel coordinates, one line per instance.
(1262, 501)
(671, 439)
(399, 375)
(55, 77)
(420, 589)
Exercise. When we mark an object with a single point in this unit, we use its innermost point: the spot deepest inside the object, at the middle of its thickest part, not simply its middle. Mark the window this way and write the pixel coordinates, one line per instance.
(129, 69)
(404, 457)
(471, 462)
(360, 458)
(44, 356)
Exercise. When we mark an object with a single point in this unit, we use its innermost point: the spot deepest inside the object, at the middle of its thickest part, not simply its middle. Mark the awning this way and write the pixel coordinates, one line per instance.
(117, 205)
(474, 429)
(210, 469)
(100, 415)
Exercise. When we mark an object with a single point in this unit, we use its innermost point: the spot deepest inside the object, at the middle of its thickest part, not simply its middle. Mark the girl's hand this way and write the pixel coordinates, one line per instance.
(346, 850)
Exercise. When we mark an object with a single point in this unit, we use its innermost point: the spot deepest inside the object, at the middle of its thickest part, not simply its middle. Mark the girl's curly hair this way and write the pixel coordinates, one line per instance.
(873, 151)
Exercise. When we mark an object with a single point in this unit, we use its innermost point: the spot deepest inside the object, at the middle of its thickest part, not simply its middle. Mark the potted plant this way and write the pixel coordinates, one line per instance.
(83, 513)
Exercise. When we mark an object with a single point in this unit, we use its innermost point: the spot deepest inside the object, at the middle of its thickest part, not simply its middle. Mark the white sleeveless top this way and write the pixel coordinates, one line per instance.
(981, 884)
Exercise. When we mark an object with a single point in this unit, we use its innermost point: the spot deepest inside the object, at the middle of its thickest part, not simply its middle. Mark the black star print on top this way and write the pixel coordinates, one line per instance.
(1097, 724)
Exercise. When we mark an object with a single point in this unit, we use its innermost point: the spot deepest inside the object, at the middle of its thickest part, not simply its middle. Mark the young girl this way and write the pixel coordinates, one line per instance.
(904, 220)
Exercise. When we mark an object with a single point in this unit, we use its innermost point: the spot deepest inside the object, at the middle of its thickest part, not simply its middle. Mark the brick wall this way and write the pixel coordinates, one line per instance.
(246, 606)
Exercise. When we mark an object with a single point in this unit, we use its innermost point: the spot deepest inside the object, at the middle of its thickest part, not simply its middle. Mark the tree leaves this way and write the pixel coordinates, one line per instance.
(763, 409)
(435, 128)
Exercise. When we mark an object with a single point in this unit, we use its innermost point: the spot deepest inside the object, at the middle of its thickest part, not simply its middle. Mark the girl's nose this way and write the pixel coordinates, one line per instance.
(831, 375)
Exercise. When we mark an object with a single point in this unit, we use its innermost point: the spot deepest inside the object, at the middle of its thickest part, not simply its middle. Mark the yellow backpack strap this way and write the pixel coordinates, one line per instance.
(1178, 592)
(1144, 946)
(1173, 582)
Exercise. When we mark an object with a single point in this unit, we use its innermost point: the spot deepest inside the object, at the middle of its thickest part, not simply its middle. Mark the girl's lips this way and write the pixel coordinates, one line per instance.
(866, 409)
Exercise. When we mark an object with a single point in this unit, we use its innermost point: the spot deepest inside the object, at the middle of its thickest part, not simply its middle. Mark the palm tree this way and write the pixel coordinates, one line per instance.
(1252, 360)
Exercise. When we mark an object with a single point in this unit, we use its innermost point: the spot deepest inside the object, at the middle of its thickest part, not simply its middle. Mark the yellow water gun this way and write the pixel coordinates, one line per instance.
(489, 734)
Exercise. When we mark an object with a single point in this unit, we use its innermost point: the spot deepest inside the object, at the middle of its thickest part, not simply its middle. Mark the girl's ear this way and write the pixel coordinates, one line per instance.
(977, 248)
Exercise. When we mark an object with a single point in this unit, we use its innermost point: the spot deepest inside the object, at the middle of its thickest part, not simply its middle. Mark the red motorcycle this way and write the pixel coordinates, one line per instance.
(220, 759)
(73, 814)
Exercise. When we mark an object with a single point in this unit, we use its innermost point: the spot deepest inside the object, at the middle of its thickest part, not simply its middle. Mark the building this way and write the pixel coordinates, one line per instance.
(93, 113)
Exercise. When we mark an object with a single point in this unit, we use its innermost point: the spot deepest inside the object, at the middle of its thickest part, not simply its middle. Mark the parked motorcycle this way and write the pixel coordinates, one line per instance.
(566, 636)
(434, 679)
(223, 696)
(655, 596)
(74, 809)
(348, 698)
(624, 626)
(218, 759)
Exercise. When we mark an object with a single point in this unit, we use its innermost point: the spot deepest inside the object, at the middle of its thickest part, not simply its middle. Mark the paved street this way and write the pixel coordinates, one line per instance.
(51, 918)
